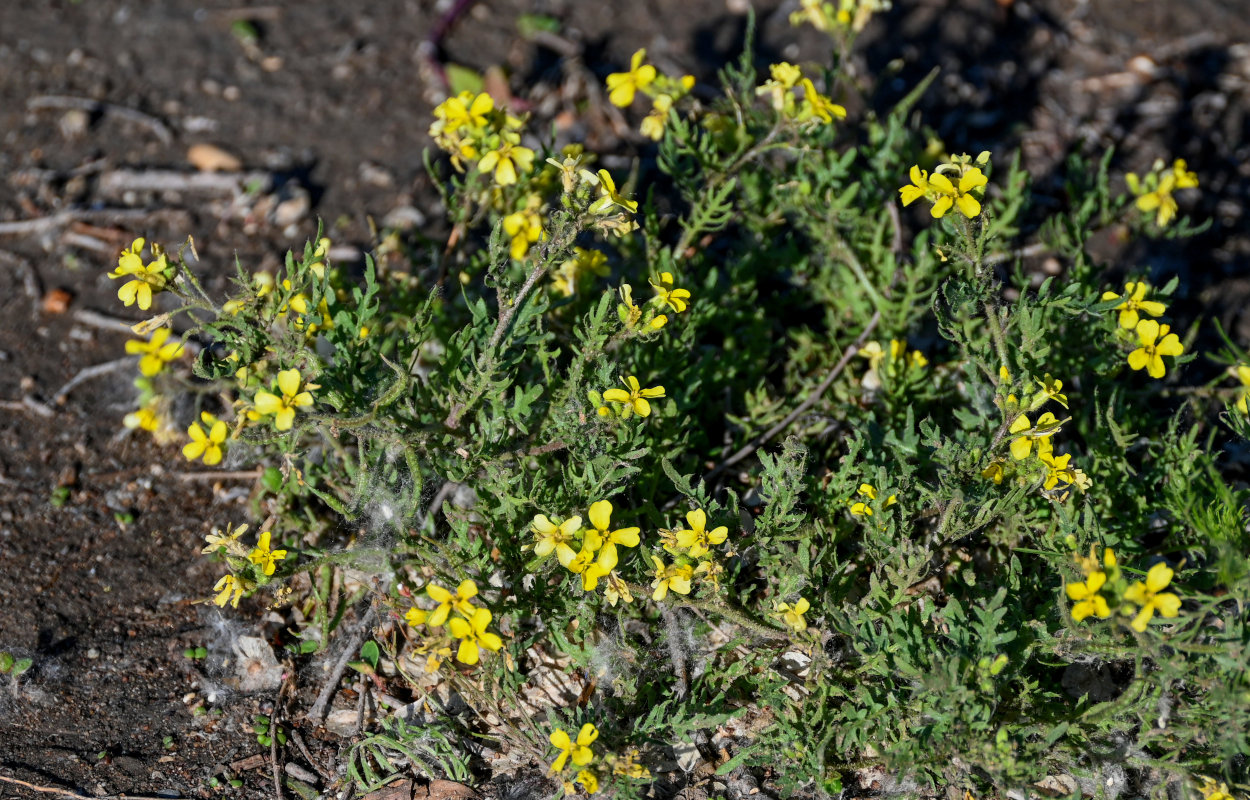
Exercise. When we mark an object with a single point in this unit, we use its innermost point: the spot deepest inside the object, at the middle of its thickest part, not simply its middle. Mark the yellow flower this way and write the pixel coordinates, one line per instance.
(1156, 341)
(465, 592)
(817, 106)
(1160, 198)
(437, 649)
(509, 160)
(792, 615)
(677, 578)
(627, 766)
(1243, 393)
(815, 12)
(1047, 425)
(525, 227)
(588, 780)
(229, 540)
(1052, 388)
(1056, 466)
(473, 636)
(204, 444)
(1088, 600)
(416, 616)
(623, 85)
(617, 589)
(600, 515)
(579, 752)
(630, 314)
(145, 418)
(555, 536)
(229, 589)
(1151, 597)
(463, 111)
(994, 472)
(653, 124)
(609, 197)
(697, 538)
(635, 400)
(1211, 790)
(283, 407)
(573, 273)
(263, 557)
(145, 278)
(785, 76)
(1134, 302)
(960, 196)
(665, 294)
(939, 188)
(156, 353)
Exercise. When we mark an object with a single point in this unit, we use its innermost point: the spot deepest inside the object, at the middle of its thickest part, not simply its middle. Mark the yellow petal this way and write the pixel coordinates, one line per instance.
(1159, 576)
(288, 382)
(601, 515)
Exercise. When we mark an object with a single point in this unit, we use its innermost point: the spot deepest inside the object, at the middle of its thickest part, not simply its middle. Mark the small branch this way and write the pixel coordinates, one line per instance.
(303, 748)
(104, 322)
(506, 315)
(68, 793)
(274, 721)
(88, 373)
(815, 395)
(160, 129)
(318, 711)
(119, 181)
(226, 475)
(28, 403)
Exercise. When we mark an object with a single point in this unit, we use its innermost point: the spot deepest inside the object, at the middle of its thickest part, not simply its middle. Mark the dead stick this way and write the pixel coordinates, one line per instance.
(68, 793)
(105, 109)
(303, 748)
(226, 475)
(96, 371)
(816, 394)
(318, 711)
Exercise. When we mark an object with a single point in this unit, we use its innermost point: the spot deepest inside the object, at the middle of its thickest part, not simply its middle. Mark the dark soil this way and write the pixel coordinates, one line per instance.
(328, 103)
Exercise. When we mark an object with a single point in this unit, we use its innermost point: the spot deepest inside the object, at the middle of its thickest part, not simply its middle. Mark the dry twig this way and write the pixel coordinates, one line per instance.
(318, 711)
(160, 129)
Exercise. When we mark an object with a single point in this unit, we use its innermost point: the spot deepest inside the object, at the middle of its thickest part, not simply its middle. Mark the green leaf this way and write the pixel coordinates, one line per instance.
(462, 79)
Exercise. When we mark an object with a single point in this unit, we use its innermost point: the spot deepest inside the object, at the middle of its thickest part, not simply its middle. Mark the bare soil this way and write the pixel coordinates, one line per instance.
(325, 106)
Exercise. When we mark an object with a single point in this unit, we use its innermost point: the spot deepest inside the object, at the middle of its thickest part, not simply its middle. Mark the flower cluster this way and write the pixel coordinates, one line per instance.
(956, 183)
(795, 97)
(1136, 602)
(471, 129)
(249, 567)
(663, 90)
(573, 274)
(896, 364)
(1153, 340)
(579, 753)
(693, 556)
(1154, 191)
(469, 626)
(868, 498)
(1031, 447)
(828, 17)
(588, 552)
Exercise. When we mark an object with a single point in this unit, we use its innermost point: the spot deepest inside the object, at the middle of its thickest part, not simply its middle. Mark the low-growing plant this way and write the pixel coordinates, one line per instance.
(781, 442)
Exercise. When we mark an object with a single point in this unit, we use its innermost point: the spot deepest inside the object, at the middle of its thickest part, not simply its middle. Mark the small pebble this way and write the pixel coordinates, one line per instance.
(93, 654)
